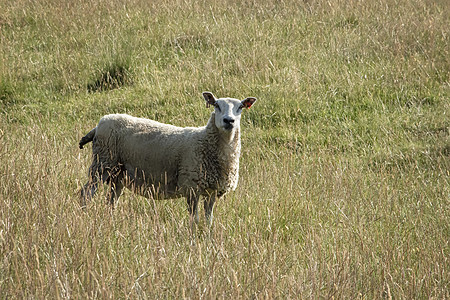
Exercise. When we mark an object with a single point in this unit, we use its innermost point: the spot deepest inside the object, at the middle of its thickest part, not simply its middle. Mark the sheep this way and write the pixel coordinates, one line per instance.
(166, 162)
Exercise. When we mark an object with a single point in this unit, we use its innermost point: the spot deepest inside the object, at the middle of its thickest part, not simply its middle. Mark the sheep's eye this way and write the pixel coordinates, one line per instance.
(240, 107)
(217, 106)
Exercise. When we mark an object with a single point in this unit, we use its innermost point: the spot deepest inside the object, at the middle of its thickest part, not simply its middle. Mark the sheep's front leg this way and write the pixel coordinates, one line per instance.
(209, 205)
(192, 201)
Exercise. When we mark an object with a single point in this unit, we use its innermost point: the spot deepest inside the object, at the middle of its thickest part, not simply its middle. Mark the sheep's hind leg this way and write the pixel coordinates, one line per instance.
(89, 189)
(115, 191)
(87, 192)
(114, 178)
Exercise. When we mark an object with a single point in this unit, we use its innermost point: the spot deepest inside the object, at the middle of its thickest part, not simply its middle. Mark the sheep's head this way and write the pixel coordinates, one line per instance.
(228, 110)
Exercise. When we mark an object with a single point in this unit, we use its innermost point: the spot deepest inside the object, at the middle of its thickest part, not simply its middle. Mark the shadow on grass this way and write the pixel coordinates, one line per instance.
(113, 76)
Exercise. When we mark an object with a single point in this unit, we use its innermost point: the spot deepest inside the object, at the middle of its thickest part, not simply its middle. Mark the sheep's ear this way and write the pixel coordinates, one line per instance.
(248, 102)
(210, 99)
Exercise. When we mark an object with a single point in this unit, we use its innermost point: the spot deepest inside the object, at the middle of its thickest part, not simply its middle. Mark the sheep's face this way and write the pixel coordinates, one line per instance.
(228, 110)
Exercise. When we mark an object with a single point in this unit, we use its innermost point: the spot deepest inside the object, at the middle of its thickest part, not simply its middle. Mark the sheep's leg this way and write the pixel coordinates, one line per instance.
(89, 189)
(87, 192)
(209, 205)
(192, 200)
(114, 177)
(115, 192)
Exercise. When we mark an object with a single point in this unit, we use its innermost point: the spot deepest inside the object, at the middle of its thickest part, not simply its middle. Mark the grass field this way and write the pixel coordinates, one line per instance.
(344, 186)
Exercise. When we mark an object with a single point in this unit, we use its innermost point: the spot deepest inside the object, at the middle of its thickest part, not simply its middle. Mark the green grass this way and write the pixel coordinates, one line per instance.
(344, 186)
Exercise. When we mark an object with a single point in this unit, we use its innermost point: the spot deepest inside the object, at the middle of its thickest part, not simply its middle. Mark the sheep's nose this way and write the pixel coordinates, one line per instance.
(228, 121)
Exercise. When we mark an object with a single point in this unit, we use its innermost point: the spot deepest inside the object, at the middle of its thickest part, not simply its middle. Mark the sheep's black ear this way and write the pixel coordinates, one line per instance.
(248, 102)
(210, 99)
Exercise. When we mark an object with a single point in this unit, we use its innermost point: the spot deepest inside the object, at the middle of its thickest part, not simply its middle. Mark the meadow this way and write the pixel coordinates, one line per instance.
(344, 179)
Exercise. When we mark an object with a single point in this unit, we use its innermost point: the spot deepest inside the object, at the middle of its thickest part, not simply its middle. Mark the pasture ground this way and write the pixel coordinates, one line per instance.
(344, 187)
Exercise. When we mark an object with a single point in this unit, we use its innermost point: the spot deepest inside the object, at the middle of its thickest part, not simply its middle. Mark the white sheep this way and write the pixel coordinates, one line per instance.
(164, 161)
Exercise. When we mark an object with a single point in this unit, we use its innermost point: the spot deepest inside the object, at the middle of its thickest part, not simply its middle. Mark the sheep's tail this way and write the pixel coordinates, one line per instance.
(87, 138)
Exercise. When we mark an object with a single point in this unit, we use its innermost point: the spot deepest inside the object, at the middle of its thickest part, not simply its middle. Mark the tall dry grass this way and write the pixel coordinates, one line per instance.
(344, 189)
